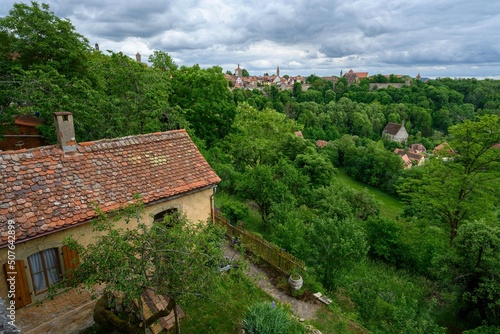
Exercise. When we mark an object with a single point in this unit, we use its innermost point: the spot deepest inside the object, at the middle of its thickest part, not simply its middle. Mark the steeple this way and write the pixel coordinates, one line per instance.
(238, 71)
(278, 71)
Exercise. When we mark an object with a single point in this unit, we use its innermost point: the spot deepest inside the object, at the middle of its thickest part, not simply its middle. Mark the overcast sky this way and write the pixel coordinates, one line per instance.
(436, 38)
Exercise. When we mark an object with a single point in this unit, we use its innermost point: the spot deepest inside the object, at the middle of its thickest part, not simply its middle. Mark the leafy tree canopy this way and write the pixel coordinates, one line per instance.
(174, 259)
(37, 38)
(461, 183)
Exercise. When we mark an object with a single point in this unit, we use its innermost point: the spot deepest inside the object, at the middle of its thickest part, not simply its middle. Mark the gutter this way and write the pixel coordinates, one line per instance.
(212, 203)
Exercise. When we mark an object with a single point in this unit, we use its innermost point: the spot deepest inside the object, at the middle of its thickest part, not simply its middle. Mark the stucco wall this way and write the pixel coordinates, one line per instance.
(402, 135)
(196, 206)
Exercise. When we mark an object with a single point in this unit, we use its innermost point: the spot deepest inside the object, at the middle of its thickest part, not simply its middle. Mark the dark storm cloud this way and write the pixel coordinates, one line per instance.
(439, 37)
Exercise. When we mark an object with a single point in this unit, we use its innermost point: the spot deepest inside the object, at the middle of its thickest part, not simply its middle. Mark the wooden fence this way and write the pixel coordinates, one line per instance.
(267, 251)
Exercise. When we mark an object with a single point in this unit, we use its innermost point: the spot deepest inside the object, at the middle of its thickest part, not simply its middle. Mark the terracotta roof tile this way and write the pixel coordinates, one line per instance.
(27, 120)
(45, 189)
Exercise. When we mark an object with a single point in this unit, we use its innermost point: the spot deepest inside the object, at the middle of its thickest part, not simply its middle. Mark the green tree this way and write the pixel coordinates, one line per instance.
(261, 185)
(257, 136)
(463, 185)
(162, 61)
(208, 103)
(297, 89)
(310, 95)
(37, 39)
(474, 265)
(319, 170)
(178, 261)
(338, 246)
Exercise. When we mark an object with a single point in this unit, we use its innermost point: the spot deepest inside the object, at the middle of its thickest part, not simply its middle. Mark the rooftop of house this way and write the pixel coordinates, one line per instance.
(27, 120)
(417, 148)
(321, 143)
(444, 147)
(392, 128)
(45, 189)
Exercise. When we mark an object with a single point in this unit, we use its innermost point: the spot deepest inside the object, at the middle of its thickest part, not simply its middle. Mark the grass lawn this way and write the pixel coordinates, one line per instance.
(390, 207)
(220, 311)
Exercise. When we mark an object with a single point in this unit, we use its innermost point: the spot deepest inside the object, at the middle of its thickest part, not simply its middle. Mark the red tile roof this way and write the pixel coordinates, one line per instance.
(28, 120)
(417, 148)
(42, 189)
(321, 143)
(361, 75)
(443, 148)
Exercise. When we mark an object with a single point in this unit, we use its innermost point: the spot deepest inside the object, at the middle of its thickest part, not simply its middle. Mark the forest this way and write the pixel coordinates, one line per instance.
(432, 267)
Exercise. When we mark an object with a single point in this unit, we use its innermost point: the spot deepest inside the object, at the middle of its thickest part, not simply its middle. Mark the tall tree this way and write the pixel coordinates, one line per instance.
(257, 136)
(38, 38)
(206, 99)
(162, 61)
(461, 184)
(474, 266)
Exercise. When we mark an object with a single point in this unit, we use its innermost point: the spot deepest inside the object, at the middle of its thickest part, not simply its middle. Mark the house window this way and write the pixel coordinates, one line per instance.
(44, 268)
(169, 217)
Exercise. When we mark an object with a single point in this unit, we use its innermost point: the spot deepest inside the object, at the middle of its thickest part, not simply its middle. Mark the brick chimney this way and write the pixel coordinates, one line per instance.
(65, 131)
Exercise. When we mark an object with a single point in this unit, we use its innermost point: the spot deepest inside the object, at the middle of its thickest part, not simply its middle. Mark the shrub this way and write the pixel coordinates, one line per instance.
(234, 210)
(267, 318)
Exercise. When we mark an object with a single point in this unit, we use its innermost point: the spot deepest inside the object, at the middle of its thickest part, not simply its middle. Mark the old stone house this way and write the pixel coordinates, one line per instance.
(46, 194)
(395, 132)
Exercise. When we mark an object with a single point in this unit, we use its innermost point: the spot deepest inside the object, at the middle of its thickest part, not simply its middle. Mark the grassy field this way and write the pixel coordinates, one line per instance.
(390, 207)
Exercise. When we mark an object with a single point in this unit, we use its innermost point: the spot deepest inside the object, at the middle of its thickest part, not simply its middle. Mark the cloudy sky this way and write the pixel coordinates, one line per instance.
(436, 38)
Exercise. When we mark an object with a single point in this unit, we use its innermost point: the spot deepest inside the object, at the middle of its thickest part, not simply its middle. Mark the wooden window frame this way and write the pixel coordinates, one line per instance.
(45, 270)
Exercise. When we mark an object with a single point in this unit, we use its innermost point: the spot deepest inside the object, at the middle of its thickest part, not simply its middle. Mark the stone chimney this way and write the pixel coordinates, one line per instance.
(65, 131)
(138, 57)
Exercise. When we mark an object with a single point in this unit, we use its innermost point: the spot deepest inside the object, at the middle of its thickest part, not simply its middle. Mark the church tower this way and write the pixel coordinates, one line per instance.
(238, 71)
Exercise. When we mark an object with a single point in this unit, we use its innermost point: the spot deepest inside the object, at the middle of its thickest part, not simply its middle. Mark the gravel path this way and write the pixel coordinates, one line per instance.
(301, 309)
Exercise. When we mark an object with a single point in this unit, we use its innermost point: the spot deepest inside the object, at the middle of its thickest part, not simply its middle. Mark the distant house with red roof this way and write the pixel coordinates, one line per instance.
(22, 134)
(443, 149)
(418, 148)
(46, 194)
(321, 143)
(410, 158)
(355, 77)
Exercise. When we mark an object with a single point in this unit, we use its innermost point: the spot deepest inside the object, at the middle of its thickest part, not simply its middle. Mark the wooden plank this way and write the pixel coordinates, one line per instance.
(22, 292)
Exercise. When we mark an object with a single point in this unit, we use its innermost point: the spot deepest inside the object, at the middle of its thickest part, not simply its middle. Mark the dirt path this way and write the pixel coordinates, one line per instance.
(301, 309)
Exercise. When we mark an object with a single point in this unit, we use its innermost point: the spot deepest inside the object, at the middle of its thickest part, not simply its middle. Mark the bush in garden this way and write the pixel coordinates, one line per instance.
(267, 318)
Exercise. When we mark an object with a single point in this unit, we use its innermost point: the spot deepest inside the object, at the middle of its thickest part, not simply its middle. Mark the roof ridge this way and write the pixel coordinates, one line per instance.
(121, 141)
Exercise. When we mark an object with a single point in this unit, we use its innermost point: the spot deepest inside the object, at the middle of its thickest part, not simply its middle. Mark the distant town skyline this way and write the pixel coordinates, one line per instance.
(438, 38)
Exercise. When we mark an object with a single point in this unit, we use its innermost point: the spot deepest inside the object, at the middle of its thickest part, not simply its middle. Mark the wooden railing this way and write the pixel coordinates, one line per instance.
(267, 251)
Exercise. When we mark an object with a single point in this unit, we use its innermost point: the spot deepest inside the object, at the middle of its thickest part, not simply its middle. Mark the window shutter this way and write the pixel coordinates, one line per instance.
(70, 258)
(22, 293)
